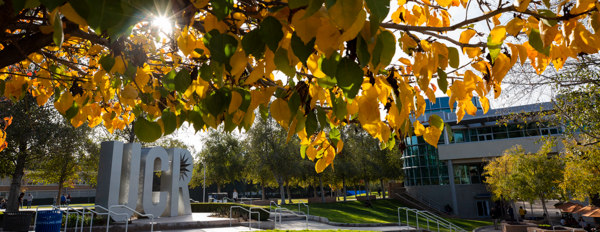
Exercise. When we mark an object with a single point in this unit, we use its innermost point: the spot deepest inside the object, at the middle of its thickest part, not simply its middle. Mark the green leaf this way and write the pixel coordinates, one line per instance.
(81, 7)
(222, 47)
(330, 66)
(18, 6)
(313, 7)
(311, 123)
(163, 92)
(303, 149)
(301, 121)
(293, 4)
(453, 57)
(349, 77)
(362, 51)
(384, 49)
(169, 80)
(340, 108)
(301, 50)
(294, 104)
(107, 62)
(322, 116)
(494, 48)
(146, 131)
(327, 82)
(229, 124)
(50, 4)
(169, 120)
(282, 63)
(58, 36)
(105, 14)
(536, 42)
(442, 81)
(264, 111)
(182, 80)
(72, 111)
(436, 121)
(330, 3)
(449, 131)
(217, 101)
(206, 72)
(130, 17)
(253, 44)
(334, 135)
(271, 32)
(379, 8)
(548, 13)
(373, 24)
(222, 8)
(196, 119)
(199, 50)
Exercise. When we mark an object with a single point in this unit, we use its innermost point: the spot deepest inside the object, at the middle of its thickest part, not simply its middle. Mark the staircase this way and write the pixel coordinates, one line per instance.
(418, 201)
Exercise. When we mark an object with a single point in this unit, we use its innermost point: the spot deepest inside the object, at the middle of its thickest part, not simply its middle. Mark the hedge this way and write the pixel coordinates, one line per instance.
(223, 209)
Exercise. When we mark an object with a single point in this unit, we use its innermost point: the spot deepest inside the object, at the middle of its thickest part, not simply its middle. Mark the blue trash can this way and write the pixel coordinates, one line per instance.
(48, 221)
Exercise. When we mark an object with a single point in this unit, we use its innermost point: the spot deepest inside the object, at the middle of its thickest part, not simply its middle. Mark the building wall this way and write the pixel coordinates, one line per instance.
(491, 148)
(465, 195)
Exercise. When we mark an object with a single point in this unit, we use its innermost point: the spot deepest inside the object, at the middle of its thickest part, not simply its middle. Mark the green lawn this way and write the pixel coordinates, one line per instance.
(316, 230)
(383, 211)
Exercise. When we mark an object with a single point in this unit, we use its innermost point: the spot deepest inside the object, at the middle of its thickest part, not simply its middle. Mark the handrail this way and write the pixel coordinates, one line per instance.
(292, 212)
(426, 200)
(92, 212)
(246, 198)
(261, 208)
(249, 216)
(133, 211)
(52, 207)
(272, 202)
(229, 199)
(428, 217)
(76, 222)
(307, 209)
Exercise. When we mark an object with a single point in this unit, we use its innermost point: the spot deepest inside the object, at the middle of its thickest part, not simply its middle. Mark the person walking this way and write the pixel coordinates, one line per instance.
(21, 196)
(235, 195)
(29, 200)
(63, 200)
(54, 200)
(68, 200)
(495, 215)
(522, 212)
(511, 212)
(582, 222)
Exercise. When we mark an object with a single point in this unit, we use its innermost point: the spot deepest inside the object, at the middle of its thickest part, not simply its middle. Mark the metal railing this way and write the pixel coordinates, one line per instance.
(228, 199)
(429, 217)
(261, 208)
(249, 216)
(307, 208)
(92, 212)
(426, 200)
(241, 200)
(133, 211)
(77, 221)
(275, 203)
(292, 212)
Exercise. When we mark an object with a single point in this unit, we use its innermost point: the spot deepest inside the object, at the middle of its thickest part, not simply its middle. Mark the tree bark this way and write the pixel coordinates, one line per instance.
(322, 192)
(131, 134)
(382, 188)
(344, 185)
(545, 210)
(262, 186)
(367, 189)
(282, 192)
(15, 184)
(315, 191)
(218, 188)
(289, 193)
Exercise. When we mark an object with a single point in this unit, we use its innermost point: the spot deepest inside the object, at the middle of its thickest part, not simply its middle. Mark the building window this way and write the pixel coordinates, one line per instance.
(503, 132)
(422, 165)
(468, 174)
(483, 209)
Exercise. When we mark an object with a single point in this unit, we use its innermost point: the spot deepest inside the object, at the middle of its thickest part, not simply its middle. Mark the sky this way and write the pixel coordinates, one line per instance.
(458, 14)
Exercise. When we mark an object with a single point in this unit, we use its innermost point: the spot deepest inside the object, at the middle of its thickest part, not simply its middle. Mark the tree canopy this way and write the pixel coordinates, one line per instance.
(107, 61)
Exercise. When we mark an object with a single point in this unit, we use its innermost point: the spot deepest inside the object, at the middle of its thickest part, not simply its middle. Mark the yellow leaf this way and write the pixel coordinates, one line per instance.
(515, 26)
(405, 61)
(466, 36)
(71, 15)
(321, 163)
(129, 92)
(522, 5)
(311, 152)
(498, 34)
(354, 29)
(485, 104)
(95, 49)
(238, 63)
(119, 66)
(432, 135)
(200, 3)
(419, 128)
(267, 94)
(64, 102)
(340, 146)
(313, 66)
(281, 112)
(470, 81)
(256, 74)
(472, 52)
(583, 6)
(236, 102)
(547, 33)
(444, 3)
(47, 29)
(327, 35)
(343, 13)
(306, 29)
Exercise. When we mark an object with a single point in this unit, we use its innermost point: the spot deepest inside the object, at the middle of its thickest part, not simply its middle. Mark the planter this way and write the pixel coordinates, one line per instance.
(17, 221)
(562, 228)
(320, 200)
(364, 198)
(517, 227)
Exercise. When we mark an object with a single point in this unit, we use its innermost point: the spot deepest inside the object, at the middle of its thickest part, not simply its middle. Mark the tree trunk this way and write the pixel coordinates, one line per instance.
(15, 184)
(289, 193)
(367, 189)
(262, 186)
(218, 188)
(131, 134)
(344, 185)
(314, 191)
(322, 192)
(382, 188)
(545, 210)
(282, 192)
(60, 186)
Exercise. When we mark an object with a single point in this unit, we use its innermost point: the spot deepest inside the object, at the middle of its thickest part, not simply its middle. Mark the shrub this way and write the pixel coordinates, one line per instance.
(222, 209)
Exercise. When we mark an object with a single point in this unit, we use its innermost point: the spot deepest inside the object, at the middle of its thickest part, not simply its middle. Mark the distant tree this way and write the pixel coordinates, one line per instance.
(517, 175)
(29, 140)
(223, 154)
(65, 160)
